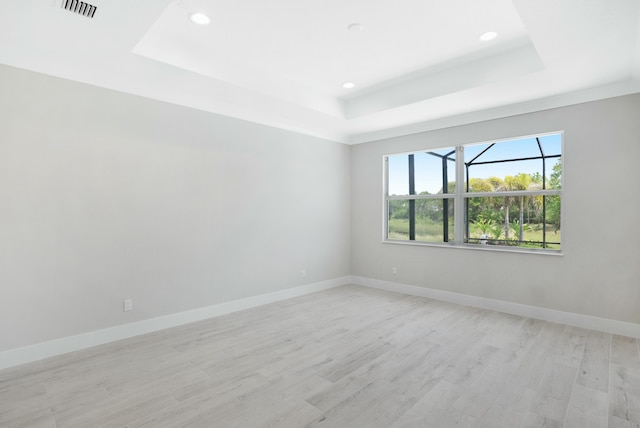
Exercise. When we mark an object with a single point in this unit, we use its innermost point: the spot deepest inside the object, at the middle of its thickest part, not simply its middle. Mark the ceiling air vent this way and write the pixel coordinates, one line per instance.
(79, 7)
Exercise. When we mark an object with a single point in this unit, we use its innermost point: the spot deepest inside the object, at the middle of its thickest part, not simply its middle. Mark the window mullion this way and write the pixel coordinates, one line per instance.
(412, 202)
(459, 213)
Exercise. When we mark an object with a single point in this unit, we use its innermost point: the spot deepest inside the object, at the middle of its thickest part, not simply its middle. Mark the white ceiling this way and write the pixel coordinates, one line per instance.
(416, 64)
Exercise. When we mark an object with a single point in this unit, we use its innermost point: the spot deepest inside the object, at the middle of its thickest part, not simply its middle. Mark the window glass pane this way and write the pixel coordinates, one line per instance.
(428, 172)
(398, 220)
(508, 165)
(551, 144)
(430, 168)
(514, 221)
(489, 178)
(430, 220)
(552, 217)
(554, 173)
(522, 148)
(398, 175)
(434, 218)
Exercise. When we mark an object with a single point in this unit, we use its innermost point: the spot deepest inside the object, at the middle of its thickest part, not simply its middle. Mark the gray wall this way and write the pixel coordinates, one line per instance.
(599, 273)
(106, 196)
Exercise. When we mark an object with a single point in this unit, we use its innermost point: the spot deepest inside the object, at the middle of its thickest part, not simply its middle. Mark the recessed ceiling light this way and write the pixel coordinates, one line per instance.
(199, 18)
(348, 85)
(490, 35)
(355, 27)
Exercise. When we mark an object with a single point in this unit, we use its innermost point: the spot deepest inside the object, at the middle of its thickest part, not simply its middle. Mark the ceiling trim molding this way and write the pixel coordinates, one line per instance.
(532, 106)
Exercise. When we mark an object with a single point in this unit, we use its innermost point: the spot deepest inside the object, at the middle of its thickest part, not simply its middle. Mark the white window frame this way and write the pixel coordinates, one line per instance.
(460, 196)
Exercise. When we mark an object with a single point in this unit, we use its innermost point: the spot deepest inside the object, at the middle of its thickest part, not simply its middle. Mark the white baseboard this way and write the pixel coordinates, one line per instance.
(39, 351)
(577, 320)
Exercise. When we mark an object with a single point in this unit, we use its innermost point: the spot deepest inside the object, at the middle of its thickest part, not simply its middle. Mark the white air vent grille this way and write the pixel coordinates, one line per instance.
(80, 7)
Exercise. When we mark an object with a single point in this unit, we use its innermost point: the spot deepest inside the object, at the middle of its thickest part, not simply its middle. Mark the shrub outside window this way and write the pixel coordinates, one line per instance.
(504, 194)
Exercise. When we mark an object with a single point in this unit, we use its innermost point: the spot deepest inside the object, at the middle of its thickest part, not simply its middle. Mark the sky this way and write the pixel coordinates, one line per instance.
(428, 168)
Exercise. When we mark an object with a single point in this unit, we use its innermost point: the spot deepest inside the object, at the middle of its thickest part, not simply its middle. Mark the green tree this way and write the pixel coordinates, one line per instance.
(518, 182)
(534, 203)
(398, 209)
(480, 185)
(555, 180)
(536, 178)
(553, 202)
(479, 205)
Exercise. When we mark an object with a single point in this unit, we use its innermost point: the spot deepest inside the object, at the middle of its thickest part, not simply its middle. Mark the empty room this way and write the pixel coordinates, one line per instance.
(300, 213)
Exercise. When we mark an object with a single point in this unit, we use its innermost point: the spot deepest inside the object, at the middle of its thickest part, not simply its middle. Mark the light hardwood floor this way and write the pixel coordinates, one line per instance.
(346, 357)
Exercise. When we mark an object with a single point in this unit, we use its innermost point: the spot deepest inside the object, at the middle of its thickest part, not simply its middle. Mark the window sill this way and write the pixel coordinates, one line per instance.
(491, 248)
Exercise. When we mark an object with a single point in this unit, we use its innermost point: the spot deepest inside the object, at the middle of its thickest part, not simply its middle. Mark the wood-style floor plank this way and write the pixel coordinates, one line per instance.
(345, 357)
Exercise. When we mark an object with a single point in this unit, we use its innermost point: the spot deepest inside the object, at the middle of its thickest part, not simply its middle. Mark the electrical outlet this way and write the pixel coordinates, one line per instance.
(394, 270)
(127, 305)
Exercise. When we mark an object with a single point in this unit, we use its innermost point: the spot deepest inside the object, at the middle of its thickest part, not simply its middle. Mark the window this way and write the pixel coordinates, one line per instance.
(504, 194)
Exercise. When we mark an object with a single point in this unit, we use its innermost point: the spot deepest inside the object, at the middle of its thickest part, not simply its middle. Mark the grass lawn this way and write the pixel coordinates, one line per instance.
(429, 231)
